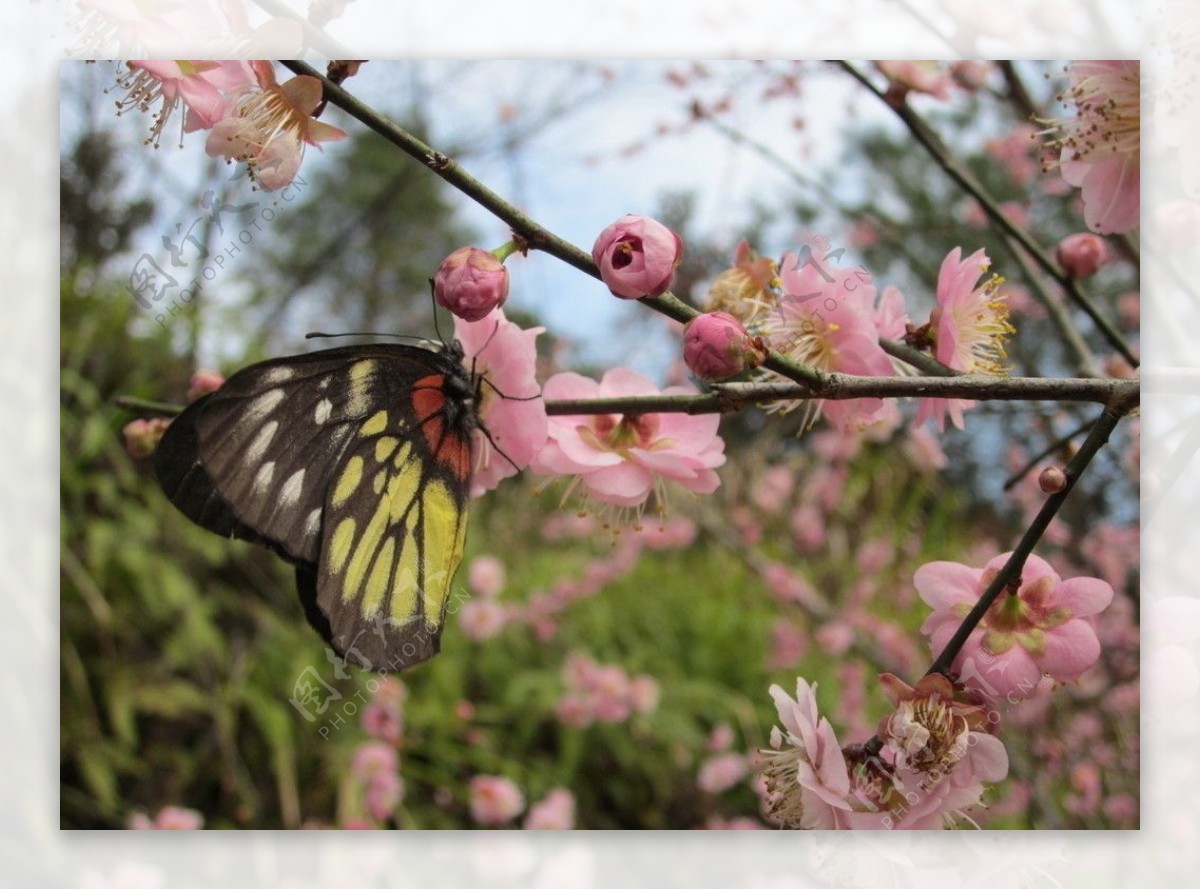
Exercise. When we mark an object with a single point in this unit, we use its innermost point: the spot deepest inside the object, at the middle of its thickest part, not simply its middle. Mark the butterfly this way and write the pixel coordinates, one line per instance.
(355, 465)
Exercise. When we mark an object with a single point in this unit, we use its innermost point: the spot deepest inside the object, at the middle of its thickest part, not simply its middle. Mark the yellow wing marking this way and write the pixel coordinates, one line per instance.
(339, 544)
(357, 401)
(397, 500)
(375, 425)
(444, 534)
(348, 481)
(404, 590)
(377, 583)
(384, 447)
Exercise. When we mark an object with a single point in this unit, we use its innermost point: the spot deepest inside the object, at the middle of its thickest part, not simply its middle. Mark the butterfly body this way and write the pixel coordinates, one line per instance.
(354, 464)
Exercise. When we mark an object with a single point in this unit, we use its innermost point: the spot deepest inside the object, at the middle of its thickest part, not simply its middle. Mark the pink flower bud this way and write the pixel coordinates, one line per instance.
(142, 435)
(1082, 254)
(495, 800)
(1052, 480)
(204, 382)
(637, 257)
(470, 283)
(716, 346)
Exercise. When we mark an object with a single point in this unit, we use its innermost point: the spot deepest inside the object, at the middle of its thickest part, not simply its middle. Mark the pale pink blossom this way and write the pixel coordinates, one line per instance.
(1100, 146)
(169, 818)
(1045, 628)
(747, 288)
(203, 88)
(268, 126)
(969, 327)
(485, 575)
(143, 435)
(383, 794)
(382, 719)
(495, 800)
(482, 619)
(510, 407)
(204, 382)
(924, 450)
(721, 772)
(637, 257)
(915, 77)
(623, 458)
(1015, 153)
(554, 812)
(374, 758)
(789, 644)
(830, 326)
(643, 692)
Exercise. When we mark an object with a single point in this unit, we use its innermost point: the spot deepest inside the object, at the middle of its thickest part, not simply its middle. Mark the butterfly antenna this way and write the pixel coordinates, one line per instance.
(436, 328)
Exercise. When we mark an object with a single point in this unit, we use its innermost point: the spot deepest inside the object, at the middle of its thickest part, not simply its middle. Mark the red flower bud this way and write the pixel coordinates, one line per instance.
(637, 257)
(1082, 254)
(716, 346)
(471, 283)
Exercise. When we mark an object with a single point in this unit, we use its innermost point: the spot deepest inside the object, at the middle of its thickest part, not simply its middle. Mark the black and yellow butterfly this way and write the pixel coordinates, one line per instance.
(354, 464)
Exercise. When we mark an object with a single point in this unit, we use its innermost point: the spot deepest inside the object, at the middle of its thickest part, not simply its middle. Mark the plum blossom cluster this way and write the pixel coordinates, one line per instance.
(602, 693)
(924, 768)
(250, 117)
(496, 801)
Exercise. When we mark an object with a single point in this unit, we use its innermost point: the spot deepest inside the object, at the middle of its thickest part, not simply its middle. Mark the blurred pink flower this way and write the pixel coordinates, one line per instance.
(969, 327)
(143, 435)
(721, 772)
(915, 77)
(204, 382)
(830, 326)
(382, 720)
(1044, 628)
(554, 812)
(510, 407)
(373, 759)
(485, 575)
(643, 693)
(720, 739)
(268, 125)
(1082, 254)
(495, 800)
(470, 283)
(637, 257)
(970, 74)
(1100, 146)
(622, 458)
(383, 794)
(169, 818)
(1015, 153)
(482, 619)
(789, 644)
(924, 450)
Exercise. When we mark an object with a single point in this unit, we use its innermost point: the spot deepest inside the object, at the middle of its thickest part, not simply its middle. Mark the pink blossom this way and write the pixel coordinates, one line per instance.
(830, 326)
(202, 87)
(373, 759)
(470, 283)
(268, 126)
(716, 346)
(143, 435)
(204, 382)
(382, 720)
(722, 772)
(970, 74)
(169, 818)
(835, 637)
(969, 327)
(554, 812)
(747, 288)
(383, 794)
(482, 619)
(1045, 628)
(924, 450)
(1082, 254)
(789, 644)
(485, 575)
(917, 77)
(1100, 147)
(637, 257)
(1015, 153)
(509, 407)
(622, 458)
(495, 800)
(720, 739)
(643, 692)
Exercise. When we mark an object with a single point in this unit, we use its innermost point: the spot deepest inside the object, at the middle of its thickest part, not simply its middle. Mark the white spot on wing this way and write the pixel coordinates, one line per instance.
(290, 492)
(280, 374)
(262, 479)
(324, 408)
(262, 405)
(312, 523)
(258, 447)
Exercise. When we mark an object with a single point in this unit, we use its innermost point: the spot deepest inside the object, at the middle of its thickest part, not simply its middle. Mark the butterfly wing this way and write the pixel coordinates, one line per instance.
(353, 463)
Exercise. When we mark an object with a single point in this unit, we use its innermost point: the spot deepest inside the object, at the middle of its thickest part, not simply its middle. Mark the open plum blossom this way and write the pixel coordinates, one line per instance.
(509, 407)
(968, 329)
(1043, 628)
(622, 458)
(923, 770)
(201, 87)
(495, 800)
(828, 321)
(269, 124)
(1100, 147)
